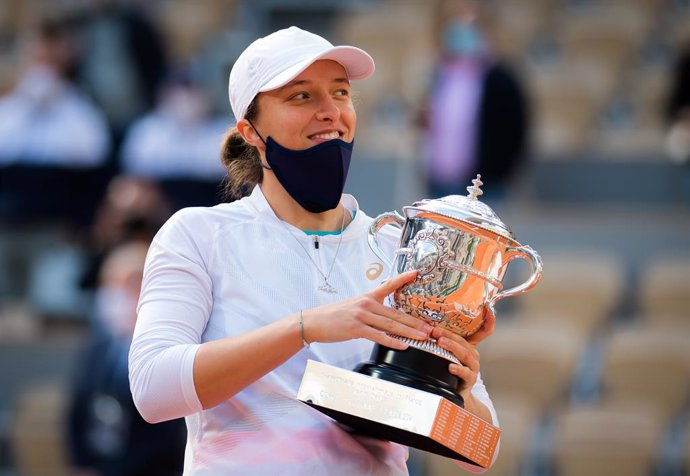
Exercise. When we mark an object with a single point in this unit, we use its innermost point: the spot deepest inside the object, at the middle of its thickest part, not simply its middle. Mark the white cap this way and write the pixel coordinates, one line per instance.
(275, 60)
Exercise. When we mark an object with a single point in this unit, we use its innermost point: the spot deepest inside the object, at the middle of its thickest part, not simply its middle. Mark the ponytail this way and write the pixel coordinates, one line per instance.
(241, 160)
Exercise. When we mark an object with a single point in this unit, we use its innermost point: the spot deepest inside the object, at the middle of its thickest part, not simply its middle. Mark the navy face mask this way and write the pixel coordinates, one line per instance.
(314, 177)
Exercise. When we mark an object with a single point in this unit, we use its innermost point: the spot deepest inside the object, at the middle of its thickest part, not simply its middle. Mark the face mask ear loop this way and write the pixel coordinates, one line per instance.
(262, 140)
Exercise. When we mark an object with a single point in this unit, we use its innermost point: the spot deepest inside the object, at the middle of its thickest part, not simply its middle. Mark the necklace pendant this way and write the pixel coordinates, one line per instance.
(327, 288)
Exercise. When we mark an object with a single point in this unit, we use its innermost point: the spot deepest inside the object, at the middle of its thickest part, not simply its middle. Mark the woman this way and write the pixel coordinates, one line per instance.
(237, 297)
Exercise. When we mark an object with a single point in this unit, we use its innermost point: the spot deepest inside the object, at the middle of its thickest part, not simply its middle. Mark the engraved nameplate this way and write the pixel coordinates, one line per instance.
(400, 407)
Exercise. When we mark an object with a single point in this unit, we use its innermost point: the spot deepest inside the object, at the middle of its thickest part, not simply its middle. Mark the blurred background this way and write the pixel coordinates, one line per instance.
(575, 112)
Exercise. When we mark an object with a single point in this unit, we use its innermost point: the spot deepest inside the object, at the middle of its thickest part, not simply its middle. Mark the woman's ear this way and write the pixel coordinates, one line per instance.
(249, 134)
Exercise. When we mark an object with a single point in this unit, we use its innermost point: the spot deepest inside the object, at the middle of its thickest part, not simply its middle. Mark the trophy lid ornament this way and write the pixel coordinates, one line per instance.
(475, 189)
(468, 209)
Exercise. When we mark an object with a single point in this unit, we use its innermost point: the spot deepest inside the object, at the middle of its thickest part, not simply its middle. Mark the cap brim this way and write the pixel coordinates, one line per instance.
(357, 63)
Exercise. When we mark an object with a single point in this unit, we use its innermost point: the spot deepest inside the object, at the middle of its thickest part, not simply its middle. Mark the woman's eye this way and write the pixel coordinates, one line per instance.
(342, 92)
(300, 96)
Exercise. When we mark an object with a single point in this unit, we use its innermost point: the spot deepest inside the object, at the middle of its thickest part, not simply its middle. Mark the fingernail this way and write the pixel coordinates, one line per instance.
(422, 335)
(428, 328)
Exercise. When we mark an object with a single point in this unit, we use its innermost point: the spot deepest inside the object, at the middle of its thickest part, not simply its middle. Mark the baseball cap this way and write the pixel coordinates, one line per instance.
(275, 60)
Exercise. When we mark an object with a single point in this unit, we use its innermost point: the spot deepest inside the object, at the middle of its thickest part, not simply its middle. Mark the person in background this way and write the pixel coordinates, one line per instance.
(175, 145)
(53, 147)
(678, 110)
(476, 117)
(133, 209)
(52, 137)
(106, 434)
(237, 297)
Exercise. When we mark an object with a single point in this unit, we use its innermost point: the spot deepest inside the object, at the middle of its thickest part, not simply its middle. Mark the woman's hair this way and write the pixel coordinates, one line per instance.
(241, 160)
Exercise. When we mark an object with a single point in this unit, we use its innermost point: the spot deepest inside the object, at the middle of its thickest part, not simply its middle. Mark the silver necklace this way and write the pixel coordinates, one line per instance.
(326, 286)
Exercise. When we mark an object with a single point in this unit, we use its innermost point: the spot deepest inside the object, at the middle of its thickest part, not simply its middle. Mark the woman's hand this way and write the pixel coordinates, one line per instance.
(365, 316)
(465, 351)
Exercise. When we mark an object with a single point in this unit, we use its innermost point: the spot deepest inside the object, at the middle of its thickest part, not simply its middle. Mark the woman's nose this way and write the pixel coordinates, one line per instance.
(327, 109)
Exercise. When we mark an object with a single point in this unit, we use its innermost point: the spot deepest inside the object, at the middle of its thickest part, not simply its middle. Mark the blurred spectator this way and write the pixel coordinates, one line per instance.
(132, 209)
(107, 436)
(53, 146)
(123, 60)
(53, 140)
(678, 115)
(176, 145)
(476, 119)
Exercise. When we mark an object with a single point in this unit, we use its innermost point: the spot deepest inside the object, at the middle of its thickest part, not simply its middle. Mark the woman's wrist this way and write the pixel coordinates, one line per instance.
(476, 407)
(302, 332)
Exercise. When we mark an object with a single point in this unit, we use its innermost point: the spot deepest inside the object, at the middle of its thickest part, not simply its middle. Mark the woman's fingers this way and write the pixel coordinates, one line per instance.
(404, 318)
(468, 357)
(392, 284)
(458, 346)
(466, 375)
(390, 320)
(392, 326)
(384, 339)
(485, 331)
(468, 368)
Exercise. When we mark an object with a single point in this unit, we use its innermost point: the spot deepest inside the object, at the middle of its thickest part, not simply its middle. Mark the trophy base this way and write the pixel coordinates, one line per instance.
(375, 429)
(382, 409)
(414, 368)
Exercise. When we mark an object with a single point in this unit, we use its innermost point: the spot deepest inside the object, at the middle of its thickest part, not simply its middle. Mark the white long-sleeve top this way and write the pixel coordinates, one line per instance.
(226, 270)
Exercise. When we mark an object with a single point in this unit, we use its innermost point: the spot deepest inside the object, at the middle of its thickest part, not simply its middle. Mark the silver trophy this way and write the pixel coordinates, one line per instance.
(461, 251)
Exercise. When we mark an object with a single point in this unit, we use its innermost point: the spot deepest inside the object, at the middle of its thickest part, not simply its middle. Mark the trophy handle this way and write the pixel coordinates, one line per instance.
(392, 218)
(534, 260)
